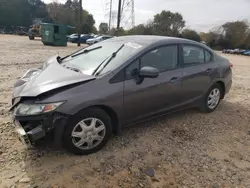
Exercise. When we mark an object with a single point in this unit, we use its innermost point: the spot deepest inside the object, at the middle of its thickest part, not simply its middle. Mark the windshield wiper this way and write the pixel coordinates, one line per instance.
(111, 57)
(76, 54)
(71, 54)
(86, 51)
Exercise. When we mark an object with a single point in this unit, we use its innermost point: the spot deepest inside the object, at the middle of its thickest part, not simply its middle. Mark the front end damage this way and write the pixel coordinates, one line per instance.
(32, 89)
(39, 127)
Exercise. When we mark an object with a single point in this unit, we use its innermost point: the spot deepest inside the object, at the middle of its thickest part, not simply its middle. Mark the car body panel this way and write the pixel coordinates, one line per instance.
(98, 39)
(83, 38)
(151, 96)
(130, 101)
(247, 53)
(80, 97)
(195, 81)
(47, 80)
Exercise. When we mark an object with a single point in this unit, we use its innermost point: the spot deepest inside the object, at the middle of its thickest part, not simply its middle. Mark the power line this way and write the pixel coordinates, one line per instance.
(110, 14)
(127, 13)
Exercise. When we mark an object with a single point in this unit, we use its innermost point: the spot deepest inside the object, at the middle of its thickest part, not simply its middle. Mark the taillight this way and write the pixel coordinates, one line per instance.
(231, 65)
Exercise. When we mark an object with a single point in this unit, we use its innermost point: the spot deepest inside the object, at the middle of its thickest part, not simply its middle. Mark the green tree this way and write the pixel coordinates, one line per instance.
(168, 23)
(15, 13)
(141, 30)
(88, 22)
(229, 35)
(112, 31)
(121, 32)
(68, 4)
(68, 14)
(236, 33)
(103, 28)
(191, 34)
(247, 42)
(214, 40)
(94, 30)
(137, 30)
(38, 9)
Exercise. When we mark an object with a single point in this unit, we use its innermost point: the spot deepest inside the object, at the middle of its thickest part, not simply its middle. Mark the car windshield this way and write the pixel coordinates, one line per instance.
(89, 61)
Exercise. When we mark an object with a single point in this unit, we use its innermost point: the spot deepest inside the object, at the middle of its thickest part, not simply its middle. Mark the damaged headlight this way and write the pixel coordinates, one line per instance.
(34, 109)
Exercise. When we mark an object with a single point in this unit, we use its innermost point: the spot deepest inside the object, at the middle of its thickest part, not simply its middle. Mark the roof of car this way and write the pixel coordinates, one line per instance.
(148, 39)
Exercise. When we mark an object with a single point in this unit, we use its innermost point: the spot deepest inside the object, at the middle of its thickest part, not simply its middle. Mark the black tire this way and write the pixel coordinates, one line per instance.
(204, 103)
(98, 113)
(31, 37)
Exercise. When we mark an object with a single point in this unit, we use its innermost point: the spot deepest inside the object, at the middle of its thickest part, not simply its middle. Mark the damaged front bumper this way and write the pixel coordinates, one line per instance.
(30, 136)
(33, 128)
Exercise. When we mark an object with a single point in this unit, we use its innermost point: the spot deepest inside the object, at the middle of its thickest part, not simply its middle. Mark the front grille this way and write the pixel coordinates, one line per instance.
(31, 124)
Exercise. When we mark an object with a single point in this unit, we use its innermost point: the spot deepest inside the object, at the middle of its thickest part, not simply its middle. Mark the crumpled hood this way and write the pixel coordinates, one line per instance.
(50, 77)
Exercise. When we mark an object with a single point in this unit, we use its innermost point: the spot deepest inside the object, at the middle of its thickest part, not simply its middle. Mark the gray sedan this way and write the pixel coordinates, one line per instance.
(80, 100)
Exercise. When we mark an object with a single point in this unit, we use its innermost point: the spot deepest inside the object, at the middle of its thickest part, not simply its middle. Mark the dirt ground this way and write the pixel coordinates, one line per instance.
(185, 149)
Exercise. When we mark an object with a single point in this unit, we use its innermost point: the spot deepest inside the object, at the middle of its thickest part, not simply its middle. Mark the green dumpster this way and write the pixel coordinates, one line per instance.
(54, 34)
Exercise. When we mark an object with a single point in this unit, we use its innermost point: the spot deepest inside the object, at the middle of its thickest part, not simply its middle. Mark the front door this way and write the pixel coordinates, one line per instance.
(153, 95)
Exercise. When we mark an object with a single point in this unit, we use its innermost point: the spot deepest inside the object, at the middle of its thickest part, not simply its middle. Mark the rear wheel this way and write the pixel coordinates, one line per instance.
(87, 132)
(31, 37)
(212, 99)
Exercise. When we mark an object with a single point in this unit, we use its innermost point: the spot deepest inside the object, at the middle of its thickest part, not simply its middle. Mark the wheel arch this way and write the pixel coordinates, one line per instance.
(111, 113)
(222, 85)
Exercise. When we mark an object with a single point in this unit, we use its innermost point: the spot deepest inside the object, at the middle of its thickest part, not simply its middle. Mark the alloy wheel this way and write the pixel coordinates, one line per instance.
(213, 98)
(88, 133)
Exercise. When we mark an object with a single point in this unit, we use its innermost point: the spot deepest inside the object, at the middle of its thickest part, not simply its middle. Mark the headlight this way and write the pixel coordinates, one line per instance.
(33, 109)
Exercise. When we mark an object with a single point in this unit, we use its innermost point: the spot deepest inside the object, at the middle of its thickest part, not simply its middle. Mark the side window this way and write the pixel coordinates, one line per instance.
(208, 56)
(132, 70)
(193, 55)
(162, 58)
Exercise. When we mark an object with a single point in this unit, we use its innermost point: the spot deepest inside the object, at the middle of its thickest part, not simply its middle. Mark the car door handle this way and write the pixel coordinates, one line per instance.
(174, 79)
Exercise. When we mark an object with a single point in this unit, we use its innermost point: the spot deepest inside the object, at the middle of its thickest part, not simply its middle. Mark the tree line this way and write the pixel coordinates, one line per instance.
(229, 35)
(24, 12)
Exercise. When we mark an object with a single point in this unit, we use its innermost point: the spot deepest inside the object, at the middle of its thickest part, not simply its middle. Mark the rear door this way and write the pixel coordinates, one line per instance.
(198, 71)
(153, 95)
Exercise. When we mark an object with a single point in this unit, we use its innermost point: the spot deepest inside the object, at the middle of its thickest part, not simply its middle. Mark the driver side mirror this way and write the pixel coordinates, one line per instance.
(149, 72)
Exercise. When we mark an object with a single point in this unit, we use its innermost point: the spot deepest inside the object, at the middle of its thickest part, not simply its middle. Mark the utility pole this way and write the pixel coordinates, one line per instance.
(133, 13)
(110, 15)
(119, 16)
(79, 23)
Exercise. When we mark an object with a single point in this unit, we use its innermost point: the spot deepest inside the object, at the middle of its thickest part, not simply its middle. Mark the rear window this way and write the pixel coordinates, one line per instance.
(208, 56)
(195, 55)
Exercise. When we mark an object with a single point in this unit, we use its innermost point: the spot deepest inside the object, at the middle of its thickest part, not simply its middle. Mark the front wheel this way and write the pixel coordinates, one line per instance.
(31, 37)
(212, 99)
(87, 132)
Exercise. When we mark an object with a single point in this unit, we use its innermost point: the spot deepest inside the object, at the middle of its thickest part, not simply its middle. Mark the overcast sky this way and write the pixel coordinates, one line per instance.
(200, 15)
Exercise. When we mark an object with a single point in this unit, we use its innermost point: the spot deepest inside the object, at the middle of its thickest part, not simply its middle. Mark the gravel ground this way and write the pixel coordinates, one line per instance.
(185, 149)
